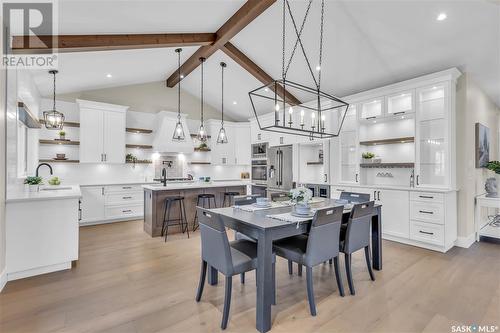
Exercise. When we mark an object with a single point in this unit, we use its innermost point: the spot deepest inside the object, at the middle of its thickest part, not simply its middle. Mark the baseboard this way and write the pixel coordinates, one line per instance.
(119, 219)
(3, 278)
(465, 242)
(39, 271)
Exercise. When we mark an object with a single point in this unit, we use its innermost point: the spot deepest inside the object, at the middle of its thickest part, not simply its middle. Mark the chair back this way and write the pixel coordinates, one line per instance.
(323, 240)
(245, 199)
(358, 227)
(354, 197)
(279, 197)
(215, 249)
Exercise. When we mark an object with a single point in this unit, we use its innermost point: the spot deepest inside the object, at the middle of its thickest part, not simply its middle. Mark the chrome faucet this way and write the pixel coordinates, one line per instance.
(38, 167)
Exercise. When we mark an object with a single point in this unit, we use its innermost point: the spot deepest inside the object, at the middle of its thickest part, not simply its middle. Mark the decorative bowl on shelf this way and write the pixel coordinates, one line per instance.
(377, 160)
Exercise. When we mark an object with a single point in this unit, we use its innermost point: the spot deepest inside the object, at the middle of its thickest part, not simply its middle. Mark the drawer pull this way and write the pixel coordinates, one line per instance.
(425, 197)
(127, 211)
(126, 197)
(425, 212)
(339, 189)
(426, 232)
(126, 187)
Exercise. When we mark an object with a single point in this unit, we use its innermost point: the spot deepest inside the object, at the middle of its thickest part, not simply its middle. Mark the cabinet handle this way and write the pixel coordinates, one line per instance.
(426, 232)
(374, 195)
(400, 112)
(326, 178)
(127, 211)
(102, 190)
(368, 118)
(126, 197)
(418, 177)
(126, 187)
(356, 178)
(425, 197)
(425, 212)
(378, 196)
(259, 136)
(340, 189)
(105, 157)
(102, 158)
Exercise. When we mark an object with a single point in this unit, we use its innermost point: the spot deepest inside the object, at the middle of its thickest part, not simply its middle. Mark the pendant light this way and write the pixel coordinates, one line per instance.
(179, 130)
(53, 119)
(202, 133)
(222, 137)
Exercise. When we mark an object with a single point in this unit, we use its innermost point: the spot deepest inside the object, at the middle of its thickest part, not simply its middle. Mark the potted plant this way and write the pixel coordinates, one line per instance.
(33, 183)
(62, 135)
(301, 197)
(368, 157)
(203, 147)
(130, 158)
(491, 183)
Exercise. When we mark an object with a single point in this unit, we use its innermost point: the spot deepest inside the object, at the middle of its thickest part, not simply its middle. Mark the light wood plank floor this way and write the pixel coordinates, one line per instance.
(126, 281)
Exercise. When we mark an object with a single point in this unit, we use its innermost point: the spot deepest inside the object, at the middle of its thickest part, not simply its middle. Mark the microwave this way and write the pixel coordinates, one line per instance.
(259, 150)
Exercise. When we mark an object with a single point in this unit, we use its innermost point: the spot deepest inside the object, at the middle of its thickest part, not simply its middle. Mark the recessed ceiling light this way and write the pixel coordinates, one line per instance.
(182, 76)
(234, 102)
(109, 75)
(441, 17)
(266, 89)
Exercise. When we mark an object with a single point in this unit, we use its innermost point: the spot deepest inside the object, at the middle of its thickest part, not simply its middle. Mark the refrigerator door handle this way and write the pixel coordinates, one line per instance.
(281, 166)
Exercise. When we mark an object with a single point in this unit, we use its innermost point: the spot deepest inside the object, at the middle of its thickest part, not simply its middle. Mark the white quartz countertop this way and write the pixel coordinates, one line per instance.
(183, 186)
(88, 184)
(45, 193)
(389, 187)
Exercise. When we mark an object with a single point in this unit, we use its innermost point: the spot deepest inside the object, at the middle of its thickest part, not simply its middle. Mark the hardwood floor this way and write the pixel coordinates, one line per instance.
(126, 281)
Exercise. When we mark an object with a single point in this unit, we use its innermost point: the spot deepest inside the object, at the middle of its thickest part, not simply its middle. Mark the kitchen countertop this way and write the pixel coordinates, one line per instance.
(182, 186)
(45, 193)
(401, 188)
(116, 183)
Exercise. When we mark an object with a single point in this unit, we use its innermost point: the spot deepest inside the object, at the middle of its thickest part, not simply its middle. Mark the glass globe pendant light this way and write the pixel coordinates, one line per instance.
(179, 130)
(202, 133)
(222, 137)
(53, 119)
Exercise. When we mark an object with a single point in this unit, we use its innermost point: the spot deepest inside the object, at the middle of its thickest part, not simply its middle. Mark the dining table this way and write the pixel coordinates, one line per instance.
(265, 230)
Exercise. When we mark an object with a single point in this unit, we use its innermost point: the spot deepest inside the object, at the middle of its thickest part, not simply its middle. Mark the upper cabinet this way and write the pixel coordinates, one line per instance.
(372, 109)
(349, 147)
(237, 150)
(102, 132)
(400, 103)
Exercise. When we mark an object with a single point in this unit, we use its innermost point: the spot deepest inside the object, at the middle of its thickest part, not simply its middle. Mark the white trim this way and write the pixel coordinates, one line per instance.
(100, 106)
(3, 278)
(465, 242)
(38, 271)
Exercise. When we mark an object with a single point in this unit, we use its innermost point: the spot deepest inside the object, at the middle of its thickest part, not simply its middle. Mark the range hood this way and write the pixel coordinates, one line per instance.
(165, 126)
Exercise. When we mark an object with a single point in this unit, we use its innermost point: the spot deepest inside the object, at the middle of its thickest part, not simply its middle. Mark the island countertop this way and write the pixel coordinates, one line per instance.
(196, 185)
(46, 192)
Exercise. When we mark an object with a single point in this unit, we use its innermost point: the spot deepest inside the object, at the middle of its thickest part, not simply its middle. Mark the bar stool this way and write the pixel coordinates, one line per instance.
(230, 196)
(181, 221)
(204, 200)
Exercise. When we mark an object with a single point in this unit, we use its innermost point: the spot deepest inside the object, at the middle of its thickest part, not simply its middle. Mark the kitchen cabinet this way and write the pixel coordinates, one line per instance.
(372, 109)
(102, 132)
(238, 148)
(395, 212)
(400, 103)
(243, 144)
(92, 203)
(349, 148)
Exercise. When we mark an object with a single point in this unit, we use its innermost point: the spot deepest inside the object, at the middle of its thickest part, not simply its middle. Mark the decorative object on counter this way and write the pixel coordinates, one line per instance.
(60, 156)
(33, 183)
(222, 137)
(62, 136)
(385, 174)
(202, 147)
(368, 157)
(179, 130)
(54, 181)
(202, 133)
(130, 158)
(326, 111)
(53, 119)
(207, 179)
(301, 197)
(245, 175)
(482, 145)
(491, 183)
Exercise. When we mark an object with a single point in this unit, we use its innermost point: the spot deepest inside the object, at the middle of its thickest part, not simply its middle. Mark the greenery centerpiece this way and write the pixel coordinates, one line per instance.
(368, 157)
(33, 183)
(62, 135)
(301, 196)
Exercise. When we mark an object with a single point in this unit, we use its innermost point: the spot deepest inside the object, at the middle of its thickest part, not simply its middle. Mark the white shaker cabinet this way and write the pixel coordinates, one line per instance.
(102, 132)
(243, 144)
(92, 203)
(395, 212)
(237, 149)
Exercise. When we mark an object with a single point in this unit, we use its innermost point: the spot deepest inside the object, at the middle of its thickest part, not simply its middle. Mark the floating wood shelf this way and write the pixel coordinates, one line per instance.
(202, 149)
(315, 163)
(51, 160)
(59, 142)
(139, 146)
(66, 123)
(139, 130)
(387, 165)
(200, 163)
(139, 162)
(387, 141)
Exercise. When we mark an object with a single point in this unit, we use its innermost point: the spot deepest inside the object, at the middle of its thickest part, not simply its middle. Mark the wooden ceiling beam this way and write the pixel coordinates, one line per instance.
(241, 59)
(87, 43)
(246, 14)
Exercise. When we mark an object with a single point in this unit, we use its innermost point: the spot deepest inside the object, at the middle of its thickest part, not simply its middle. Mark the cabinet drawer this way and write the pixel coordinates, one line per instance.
(124, 198)
(427, 232)
(427, 196)
(123, 188)
(123, 211)
(427, 212)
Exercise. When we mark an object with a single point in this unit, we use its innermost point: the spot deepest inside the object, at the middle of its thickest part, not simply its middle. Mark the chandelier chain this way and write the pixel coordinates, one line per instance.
(283, 73)
(179, 86)
(321, 41)
(300, 34)
(222, 98)
(202, 61)
(54, 92)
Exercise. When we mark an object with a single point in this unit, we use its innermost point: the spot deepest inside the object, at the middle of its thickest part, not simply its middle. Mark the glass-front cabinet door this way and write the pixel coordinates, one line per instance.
(431, 136)
(400, 104)
(372, 109)
(349, 143)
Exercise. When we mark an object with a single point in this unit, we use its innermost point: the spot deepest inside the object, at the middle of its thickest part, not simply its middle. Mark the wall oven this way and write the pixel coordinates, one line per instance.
(259, 171)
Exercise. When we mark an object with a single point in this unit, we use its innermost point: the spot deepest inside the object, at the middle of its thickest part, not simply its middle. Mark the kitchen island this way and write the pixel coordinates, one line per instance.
(154, 200)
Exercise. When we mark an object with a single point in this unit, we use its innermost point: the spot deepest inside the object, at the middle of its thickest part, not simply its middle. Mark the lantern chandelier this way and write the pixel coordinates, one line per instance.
(53, 119)
(321, 116)
(179, 130)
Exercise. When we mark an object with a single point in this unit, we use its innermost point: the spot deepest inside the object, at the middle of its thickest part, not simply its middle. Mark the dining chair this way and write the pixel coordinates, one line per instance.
(356, 236)
(241, 200)
(353, 197)
(320, 245)
(229, 258)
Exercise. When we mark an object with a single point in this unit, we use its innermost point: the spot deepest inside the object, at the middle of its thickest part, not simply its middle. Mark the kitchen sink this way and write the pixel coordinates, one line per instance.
(56, 188)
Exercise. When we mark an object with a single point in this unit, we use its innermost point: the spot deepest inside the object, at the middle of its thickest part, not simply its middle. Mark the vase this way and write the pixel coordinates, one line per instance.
(33, 188)
(302, 208)
(490, 187)
(367, 160)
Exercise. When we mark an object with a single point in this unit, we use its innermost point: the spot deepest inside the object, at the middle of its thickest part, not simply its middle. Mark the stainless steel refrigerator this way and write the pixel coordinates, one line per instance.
(279, 161)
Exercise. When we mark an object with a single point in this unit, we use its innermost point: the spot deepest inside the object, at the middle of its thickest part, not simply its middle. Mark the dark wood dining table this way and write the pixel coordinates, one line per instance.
(266, 230)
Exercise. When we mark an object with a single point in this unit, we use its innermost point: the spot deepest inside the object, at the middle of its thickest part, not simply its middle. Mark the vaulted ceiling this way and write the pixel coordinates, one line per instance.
(367, 44)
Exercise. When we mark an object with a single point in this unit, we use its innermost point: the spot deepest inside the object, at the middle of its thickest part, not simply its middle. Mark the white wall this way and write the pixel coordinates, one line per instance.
(3, 159)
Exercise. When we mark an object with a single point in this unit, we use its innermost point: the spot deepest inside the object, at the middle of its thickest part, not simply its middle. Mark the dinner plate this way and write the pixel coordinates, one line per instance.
(262, 206)
(310, 214)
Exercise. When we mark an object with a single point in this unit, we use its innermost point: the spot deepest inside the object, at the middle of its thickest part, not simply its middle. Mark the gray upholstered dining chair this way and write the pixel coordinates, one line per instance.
(241, 200)
(356, 236)
(353, 197)
(229, 258)
(321, 244)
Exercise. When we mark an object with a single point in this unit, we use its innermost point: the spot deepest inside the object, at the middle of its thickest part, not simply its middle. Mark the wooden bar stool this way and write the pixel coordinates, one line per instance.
(203, 201)
(181, 221)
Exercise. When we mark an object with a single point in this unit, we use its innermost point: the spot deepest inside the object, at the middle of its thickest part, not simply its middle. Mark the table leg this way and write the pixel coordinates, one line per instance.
(213, 276)
(264, 282)
(377, 239)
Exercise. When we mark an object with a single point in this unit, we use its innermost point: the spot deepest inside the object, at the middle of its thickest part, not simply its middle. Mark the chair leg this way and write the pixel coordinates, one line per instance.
(300, 269)
(369, 262)
(338, 277)
(330, 261)
(310, 291)
(164, 215)
(201, 283)
(195, 221)
(166, 223)
(348, 271)
(184, 220)
(290, 267)
(242, 278)
(274, 283)
(227, 302)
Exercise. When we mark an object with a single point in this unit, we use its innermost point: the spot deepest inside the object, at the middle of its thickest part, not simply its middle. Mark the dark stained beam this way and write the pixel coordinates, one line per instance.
(246, 14)
(87, 43)
(241, 59)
